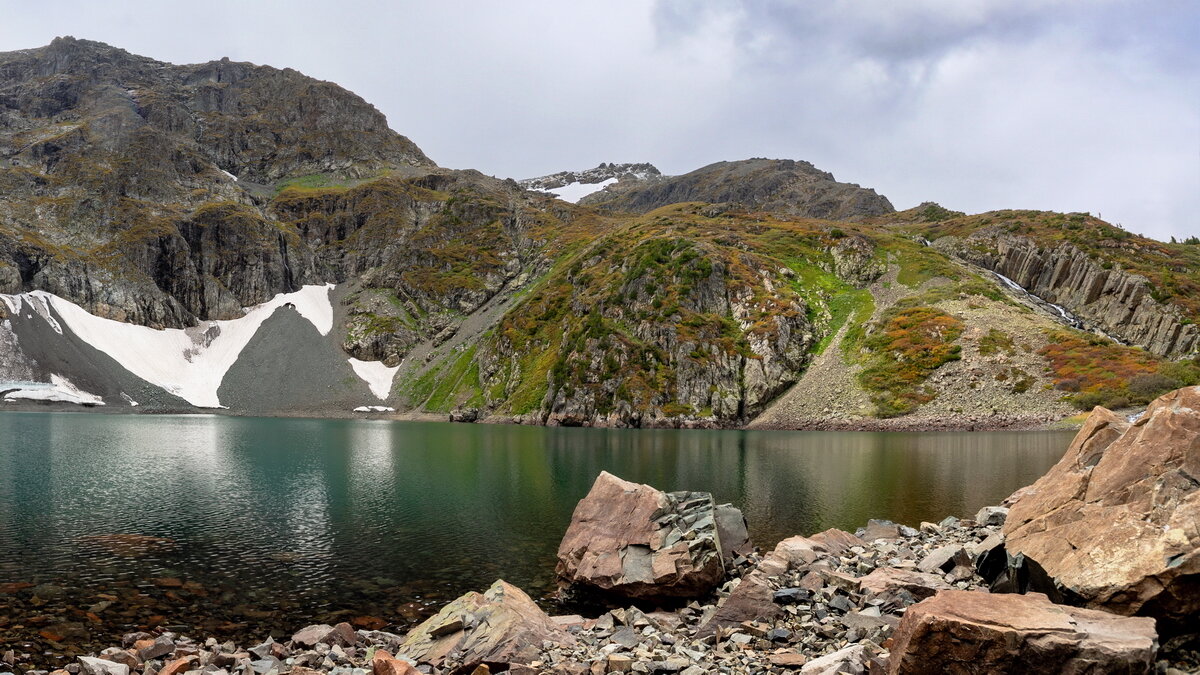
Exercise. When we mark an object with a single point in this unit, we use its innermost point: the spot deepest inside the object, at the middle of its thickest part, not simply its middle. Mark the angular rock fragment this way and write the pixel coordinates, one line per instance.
(631, 541)
(968, 631)
(499, 627)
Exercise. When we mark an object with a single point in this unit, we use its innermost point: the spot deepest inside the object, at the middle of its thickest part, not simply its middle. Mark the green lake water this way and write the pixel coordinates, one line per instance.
(272, 522)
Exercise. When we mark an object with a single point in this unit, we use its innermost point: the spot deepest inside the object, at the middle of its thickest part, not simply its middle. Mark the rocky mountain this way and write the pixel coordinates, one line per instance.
(233, 235)
(778, 185)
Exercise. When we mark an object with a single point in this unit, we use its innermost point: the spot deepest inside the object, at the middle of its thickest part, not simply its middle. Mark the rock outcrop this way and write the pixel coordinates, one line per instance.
(1111, 299)
(633, 542)
(1115, 521)
(779, 185)
(974, 632)
(497, 628)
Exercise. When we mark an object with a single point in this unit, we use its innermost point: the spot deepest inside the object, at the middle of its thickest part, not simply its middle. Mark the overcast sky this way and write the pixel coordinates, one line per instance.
(976, 104)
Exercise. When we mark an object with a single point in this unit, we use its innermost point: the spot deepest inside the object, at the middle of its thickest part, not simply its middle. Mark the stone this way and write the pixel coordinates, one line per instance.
(618, 663)
(752, 599)
(1114, 521)
(632, 541)
(118, 655)
(886, 580)
(94, 666)
(383, 663)
(944, 558)
(787, 659)
(837, 541)
(1017, 633)
(159, 647)
(991, 516)
(880, 529)
(506, 627)
(733, 535)
(177, 666)
(851, 659)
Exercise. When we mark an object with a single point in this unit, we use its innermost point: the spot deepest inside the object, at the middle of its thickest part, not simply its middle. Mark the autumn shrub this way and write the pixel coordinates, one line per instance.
(904, 349)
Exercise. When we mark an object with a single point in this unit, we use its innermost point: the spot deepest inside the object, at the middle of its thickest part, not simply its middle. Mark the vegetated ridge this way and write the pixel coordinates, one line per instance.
(174, 197)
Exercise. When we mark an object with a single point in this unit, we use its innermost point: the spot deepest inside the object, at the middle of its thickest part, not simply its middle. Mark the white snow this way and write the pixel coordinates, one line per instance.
(37, 302)
(57, 389)
(229, 174)
(573, 192)
(374, 408)
(188, 362)
(377, 376)
(129, 399)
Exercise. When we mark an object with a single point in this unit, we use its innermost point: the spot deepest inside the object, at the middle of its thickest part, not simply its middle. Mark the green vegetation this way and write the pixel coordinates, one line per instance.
(996, 341)
(1096, 371)
(904, 349)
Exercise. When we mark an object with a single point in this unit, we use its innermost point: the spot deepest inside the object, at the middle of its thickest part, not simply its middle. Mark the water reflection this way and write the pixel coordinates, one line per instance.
(293, 514)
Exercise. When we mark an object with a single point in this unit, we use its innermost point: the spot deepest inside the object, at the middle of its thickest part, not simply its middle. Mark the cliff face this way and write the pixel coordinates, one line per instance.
(137, 187)
(781, 186)
(1115, 301)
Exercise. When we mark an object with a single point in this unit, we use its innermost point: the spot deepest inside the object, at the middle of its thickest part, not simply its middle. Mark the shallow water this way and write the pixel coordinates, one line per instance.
(271, 522)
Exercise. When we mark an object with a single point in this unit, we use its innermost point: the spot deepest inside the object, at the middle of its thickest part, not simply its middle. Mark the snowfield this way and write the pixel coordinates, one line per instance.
(58, 389)
(377, 376)
(573, 192)
(187, 362)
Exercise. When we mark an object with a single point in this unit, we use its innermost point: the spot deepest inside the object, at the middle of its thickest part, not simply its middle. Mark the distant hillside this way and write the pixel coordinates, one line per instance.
(224, 234)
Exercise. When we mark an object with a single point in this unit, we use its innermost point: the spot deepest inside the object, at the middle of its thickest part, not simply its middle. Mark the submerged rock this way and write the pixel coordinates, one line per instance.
(966, 631)
(1115, 521)
(632, 541)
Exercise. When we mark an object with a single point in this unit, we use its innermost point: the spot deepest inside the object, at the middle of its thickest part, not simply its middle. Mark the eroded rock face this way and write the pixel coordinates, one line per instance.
(632, 541)
(1114, 300)
(975, 632)
(500, 627)
(1117, 520)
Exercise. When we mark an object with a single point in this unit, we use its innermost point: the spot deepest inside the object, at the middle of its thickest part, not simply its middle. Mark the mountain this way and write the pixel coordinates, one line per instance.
(227, 235)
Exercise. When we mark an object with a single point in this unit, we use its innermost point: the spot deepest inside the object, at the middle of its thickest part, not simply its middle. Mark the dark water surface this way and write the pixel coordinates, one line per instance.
(271, 522)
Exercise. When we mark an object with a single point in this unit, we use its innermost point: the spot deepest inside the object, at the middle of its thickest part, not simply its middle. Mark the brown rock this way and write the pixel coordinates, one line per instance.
(977, 632)
(177, 666)
(499, 626)
(892, 579)
(752, 599)
(383, 663)
(632, 541)
(787, 659)
(837, 541)
(1115, 521)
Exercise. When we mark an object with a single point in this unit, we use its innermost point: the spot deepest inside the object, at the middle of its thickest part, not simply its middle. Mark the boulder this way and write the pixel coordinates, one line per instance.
(499, 627)
(633, 542)
(752, 600)
(852, 659)
(94, 666)
(837, 541)
(977, 632)
(888, 580)
(1115, 521)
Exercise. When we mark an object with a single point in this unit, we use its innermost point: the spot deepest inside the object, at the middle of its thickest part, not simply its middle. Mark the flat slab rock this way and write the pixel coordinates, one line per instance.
(978, 632)
(499, 626)
(1115, 521)
(634, 542)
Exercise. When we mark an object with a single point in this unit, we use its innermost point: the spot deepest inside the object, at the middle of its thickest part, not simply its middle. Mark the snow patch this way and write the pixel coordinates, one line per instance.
(129, 399)
(374, 408)
(58, 389)
(229, 174)
(187, 362)
(38, 303)
(377, 376)
(573, 192)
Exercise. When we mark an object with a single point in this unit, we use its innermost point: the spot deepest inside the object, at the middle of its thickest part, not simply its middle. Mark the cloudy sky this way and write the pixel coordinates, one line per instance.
(976, 104)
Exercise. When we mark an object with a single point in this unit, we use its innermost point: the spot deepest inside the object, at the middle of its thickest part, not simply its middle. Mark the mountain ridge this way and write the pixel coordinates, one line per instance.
(176, 196)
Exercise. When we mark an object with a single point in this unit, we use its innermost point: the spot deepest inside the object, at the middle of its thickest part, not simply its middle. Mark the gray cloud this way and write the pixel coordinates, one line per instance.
(979, 105)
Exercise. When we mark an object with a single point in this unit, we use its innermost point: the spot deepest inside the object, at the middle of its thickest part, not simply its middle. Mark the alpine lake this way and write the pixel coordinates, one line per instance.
(241, 527)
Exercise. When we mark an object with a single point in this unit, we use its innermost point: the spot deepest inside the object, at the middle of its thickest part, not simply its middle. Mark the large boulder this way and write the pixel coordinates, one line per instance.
(497, 628)
(1117, 520)
(633, 542)
(977, 632)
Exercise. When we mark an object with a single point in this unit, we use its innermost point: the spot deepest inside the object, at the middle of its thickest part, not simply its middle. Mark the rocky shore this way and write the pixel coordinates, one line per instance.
(1091, 569)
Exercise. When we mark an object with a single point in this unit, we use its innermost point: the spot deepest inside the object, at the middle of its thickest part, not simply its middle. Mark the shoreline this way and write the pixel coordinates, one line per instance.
(861, 424)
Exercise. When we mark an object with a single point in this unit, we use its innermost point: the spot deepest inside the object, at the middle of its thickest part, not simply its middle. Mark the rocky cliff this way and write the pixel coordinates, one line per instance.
(778, 185)
(1101, 294)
